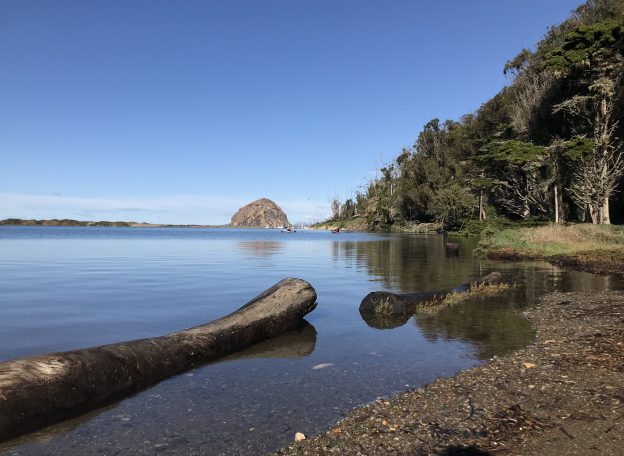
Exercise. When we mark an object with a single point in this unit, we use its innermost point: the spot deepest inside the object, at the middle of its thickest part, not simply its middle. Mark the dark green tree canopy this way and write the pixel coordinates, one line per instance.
(513, 151)
(588, 45)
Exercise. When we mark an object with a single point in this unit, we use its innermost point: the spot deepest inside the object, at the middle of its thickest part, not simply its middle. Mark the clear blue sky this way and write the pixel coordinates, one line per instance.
(180, 112)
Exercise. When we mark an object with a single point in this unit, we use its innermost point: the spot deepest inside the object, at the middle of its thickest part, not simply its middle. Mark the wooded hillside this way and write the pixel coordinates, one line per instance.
(546, 147)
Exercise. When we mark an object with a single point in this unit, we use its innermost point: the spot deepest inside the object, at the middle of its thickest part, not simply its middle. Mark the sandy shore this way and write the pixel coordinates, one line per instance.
(562, 395)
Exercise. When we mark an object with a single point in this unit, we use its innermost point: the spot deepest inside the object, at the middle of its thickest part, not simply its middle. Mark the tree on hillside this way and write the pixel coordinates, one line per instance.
(597, 178)
(347, 210)
(452, 206)
(335, 208)
(531, 88)
(523, 174)
(591, 57)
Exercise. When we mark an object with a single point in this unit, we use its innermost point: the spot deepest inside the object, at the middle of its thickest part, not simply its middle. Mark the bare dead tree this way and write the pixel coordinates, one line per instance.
(531, 89)
(596, 178)
(335, 208)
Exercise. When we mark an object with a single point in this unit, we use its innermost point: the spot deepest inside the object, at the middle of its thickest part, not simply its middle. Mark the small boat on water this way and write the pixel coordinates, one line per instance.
(336, 231)
(289, 230)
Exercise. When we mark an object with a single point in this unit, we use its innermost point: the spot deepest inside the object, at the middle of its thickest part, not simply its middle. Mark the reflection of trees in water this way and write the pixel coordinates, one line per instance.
(494, 324)
(491, 324)
(261, 248)
(408, 263)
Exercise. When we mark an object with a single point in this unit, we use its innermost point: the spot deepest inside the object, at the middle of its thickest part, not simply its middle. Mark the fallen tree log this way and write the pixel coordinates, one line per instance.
(384, 303)
(39, 390)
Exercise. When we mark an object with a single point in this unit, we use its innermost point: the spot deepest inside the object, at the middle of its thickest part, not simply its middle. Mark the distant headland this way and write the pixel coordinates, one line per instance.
(71, 222)
(260, 213)
(117, 224)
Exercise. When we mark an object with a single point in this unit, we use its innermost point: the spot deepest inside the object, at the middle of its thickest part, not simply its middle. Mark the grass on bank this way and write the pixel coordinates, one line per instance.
(475, 290)
(361, 223)
(455, 298)
(383, 308)
(358, 223)
(599, 241)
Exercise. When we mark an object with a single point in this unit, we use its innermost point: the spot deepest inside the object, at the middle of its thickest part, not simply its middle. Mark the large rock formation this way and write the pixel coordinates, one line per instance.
(262, 213)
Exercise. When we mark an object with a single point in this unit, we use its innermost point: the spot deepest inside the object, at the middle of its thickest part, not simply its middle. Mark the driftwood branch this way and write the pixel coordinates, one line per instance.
(395, 309)
(39, 390)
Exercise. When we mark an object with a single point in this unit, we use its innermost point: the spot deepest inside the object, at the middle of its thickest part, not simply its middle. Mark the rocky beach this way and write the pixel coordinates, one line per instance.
(561, 395)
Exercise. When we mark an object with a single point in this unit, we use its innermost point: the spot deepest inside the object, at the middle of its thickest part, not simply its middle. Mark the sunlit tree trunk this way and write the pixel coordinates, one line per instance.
(561, 212)
(482, 215)
(605, 219)
(594, 215)
(556, 206)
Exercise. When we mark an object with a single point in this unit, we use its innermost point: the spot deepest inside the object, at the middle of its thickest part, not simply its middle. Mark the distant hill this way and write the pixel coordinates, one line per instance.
(65, 222)
(260, 213)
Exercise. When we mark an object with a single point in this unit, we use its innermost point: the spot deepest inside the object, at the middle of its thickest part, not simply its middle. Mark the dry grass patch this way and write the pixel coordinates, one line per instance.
(554, 240)
(475, 290)
(454, 298)
(592, 248)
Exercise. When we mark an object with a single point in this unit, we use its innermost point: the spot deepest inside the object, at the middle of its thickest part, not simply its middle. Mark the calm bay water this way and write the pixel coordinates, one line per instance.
(64, 288)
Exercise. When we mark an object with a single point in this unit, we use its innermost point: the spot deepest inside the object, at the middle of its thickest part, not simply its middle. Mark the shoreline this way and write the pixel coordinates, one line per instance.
(359, 224)
(563, 394)
(594, 262)
(598, 249)
(99, 223)
(107, 224)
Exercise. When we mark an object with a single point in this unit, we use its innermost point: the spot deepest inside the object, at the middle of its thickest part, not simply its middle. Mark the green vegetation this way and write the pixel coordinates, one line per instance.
(454, 298)
(416, 228)
(555, 240)
(383, 308)
(545, 148)
(476, 289)
(357, 223)
(593, 248)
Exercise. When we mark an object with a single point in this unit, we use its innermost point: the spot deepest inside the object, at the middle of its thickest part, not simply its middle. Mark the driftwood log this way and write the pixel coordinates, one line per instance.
(39, 390)
(386, 304)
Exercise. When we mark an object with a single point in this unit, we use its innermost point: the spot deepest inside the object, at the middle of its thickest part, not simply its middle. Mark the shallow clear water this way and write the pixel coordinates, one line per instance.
(63, 288)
